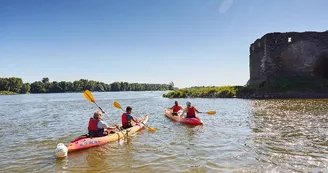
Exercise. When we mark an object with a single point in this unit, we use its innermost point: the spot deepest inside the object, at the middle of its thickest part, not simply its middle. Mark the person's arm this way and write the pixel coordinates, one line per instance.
(103, 124)
(196, 110)
(184, 111)
(133, 119)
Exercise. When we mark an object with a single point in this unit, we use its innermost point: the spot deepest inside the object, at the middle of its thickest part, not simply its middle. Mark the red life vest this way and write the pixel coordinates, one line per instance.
(191, 112)
(93, 124)
(176, 108)
(125, 120)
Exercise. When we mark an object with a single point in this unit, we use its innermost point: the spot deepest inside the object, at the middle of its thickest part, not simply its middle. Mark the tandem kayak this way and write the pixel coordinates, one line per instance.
(192, 121)
(83, 142)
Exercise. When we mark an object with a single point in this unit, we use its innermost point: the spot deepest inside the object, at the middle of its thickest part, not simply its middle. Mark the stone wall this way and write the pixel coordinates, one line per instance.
(288, 54)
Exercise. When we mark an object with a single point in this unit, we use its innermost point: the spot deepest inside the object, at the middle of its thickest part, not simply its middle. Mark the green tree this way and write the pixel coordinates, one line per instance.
(45, 80)
(116, 86)
(56, 88)
(38, 87)
(15, 84)
(25, 88)
(4, 84)
(77, 86)
(171, 86)
(99, 87)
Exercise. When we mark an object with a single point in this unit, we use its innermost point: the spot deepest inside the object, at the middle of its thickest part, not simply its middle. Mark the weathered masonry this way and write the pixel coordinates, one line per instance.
(288, 54)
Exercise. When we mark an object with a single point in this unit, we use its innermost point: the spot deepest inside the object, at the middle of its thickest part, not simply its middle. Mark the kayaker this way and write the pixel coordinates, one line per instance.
(190, 110)
(176, 108)
(127, 117)
(96, 125)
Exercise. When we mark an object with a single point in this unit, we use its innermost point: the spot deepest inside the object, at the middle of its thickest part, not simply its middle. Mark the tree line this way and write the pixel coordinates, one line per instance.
(15, 84)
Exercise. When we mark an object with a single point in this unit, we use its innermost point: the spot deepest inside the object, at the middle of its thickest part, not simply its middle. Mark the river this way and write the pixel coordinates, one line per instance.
(244, 135)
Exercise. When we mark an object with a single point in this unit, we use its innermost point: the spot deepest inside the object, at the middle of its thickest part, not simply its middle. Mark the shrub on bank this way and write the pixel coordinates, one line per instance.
(7, 93)
(205, 92)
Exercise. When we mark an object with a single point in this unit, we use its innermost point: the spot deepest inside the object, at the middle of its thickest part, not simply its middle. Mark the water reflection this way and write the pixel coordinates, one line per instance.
(290, 134)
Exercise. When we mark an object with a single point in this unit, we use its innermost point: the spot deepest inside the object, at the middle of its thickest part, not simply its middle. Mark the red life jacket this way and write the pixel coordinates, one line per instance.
(125, 120)
(176, 108)
(191, 112)
(93, 124)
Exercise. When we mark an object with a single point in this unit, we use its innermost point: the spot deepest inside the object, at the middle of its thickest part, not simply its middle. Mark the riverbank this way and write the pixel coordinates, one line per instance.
(7, 93)
(279, 88)
(240, 92)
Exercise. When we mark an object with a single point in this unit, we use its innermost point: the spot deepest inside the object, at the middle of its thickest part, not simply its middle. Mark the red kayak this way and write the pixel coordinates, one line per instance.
(192, 121)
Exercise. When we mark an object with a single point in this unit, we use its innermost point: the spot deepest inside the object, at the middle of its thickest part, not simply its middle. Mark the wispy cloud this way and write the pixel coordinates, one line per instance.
(225, 6)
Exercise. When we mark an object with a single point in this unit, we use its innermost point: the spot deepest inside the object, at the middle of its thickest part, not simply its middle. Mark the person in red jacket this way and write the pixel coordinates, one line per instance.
(96, 125)
(176, 108)
(127, 118)
(190, 110)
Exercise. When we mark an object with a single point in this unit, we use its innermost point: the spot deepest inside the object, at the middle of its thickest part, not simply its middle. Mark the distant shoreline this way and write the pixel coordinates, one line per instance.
(13, 93)
(16, 85)
(259, 95)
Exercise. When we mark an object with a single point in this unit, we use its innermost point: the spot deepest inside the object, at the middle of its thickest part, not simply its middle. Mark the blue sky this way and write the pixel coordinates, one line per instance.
(189, 42)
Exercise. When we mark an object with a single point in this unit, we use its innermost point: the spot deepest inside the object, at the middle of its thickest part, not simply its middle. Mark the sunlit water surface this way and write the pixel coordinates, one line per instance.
(244, 135)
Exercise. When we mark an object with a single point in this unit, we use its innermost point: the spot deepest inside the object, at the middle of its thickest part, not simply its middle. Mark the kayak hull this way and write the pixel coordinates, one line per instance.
(191, 121)
(83, 142)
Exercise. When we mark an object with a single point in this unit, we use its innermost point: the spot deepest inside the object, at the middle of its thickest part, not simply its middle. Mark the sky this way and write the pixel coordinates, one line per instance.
(188, 42)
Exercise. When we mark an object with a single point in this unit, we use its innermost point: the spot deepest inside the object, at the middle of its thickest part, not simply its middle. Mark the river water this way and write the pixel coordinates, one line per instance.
(244, 135)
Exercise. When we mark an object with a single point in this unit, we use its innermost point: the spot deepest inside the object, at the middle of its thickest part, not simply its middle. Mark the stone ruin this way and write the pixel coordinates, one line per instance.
(288, 54)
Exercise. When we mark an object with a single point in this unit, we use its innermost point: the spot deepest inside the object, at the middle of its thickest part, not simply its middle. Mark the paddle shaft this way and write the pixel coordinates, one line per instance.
(118, 105)
(144, 124)
(107, 116)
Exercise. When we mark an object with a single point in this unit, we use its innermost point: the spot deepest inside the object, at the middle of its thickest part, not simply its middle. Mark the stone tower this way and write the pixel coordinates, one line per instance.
(288, 54)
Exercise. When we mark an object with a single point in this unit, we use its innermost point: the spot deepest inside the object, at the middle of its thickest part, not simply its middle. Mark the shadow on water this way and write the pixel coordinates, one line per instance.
(290, 134)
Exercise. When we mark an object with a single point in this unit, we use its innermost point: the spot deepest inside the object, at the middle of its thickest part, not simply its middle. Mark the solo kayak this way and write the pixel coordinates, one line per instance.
(83, 142)
(179, 118)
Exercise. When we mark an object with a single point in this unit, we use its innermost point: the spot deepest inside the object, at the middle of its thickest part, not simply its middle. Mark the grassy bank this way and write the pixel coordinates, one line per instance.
(7, 93)
(204, 92)
(288, 87)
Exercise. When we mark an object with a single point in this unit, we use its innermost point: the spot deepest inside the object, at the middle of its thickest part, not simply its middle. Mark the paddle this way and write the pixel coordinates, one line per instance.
(118, 105)
(89, 96)
(209, 112)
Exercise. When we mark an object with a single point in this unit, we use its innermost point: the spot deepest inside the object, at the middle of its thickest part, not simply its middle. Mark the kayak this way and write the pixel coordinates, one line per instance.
(83, 141)
(179, 118)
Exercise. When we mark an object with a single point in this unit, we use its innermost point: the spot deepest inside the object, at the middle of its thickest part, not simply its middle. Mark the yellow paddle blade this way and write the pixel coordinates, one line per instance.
(211, 112)
(117, 105)
(89, 96)
(152, 129)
